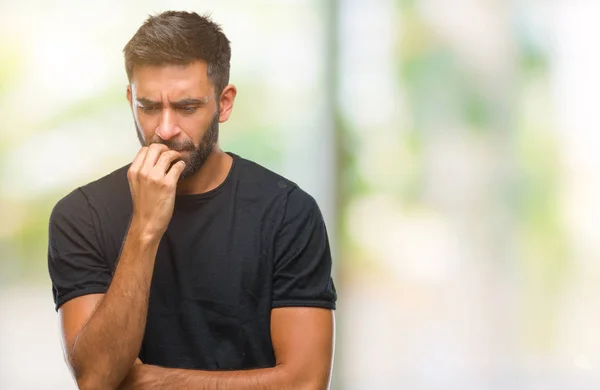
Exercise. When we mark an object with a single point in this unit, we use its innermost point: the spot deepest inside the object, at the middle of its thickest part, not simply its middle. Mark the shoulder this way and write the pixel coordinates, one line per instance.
(256, 177)
(111, 186)
(252, 173)
(290, 195)
(283, 196)
(79, 201)
(301, 209)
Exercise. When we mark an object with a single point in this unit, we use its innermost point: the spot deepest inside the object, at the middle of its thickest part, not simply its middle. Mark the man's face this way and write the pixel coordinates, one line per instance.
(175, 105)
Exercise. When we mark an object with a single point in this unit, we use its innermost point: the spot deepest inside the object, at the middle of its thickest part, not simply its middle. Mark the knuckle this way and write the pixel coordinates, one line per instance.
(168, 156)
(155, 179)
(143, 174)
(165, 156)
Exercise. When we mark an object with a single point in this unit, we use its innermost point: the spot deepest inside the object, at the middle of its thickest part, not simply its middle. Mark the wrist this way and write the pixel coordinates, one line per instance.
(143, 232)
(134, 379)
(146, 377)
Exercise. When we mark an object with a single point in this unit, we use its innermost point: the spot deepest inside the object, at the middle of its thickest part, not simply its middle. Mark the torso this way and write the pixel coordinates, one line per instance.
(210, 299)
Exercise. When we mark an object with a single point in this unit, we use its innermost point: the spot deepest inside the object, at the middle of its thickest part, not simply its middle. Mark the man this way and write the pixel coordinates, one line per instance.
(190, 268)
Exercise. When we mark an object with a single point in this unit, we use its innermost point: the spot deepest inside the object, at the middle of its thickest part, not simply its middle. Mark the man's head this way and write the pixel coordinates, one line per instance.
(177, 64)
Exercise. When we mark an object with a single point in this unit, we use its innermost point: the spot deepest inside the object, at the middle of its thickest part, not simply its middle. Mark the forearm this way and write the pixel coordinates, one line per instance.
(109, 343)
(160, 378)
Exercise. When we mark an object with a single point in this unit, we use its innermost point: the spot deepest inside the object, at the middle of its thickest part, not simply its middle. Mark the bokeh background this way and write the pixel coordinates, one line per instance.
(451, 144)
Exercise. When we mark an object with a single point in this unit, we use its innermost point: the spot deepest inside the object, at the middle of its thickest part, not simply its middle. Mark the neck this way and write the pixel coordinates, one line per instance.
(211, 174)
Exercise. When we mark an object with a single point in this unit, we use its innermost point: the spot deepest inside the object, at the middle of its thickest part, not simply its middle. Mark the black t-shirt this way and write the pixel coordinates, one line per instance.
(227, 258)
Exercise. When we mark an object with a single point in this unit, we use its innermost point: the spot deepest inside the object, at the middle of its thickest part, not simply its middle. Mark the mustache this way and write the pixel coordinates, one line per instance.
(179, 146)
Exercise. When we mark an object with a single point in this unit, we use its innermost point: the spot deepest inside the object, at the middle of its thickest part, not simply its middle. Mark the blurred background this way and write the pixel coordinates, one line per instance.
(452, 147)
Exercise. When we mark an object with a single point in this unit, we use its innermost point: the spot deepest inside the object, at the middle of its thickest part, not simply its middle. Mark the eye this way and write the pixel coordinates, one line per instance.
(149, 109)
(189, 110)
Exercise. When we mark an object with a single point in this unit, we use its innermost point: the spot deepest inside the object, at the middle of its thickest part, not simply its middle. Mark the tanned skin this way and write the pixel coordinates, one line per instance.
(102, 333)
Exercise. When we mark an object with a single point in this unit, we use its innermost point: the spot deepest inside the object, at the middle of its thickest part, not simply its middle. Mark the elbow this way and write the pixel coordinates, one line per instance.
(313, 382)
(85, 384)
(97, 377)
(311, 386)
(316, 386)
(306, 380)
(90, 383)
(91, 376)
(84, 378)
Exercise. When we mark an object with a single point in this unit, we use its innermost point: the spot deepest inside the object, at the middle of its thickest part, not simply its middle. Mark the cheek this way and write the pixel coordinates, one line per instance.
(194, 127)
(147, 123)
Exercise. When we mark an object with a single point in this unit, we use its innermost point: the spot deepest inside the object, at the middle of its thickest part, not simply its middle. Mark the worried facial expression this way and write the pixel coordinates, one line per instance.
(176, 105)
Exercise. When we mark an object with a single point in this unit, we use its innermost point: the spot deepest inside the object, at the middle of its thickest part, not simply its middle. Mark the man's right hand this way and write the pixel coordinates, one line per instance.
(153, 185)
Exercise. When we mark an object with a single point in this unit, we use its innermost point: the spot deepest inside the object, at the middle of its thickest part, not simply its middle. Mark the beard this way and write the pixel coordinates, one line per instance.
(198, 154)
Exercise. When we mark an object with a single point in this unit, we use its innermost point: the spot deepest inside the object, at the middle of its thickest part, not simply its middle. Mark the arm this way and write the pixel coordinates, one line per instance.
(102, 334)
(73, 316)
(302, 325)
(303, 345)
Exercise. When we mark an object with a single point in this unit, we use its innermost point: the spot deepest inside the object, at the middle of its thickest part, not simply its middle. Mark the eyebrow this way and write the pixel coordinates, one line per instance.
(188, 101)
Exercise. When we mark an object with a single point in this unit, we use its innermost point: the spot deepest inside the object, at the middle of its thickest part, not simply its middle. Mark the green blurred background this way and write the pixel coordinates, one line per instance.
(451, 145)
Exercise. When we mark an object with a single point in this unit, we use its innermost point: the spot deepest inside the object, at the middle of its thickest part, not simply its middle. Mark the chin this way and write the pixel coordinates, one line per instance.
(187, 171)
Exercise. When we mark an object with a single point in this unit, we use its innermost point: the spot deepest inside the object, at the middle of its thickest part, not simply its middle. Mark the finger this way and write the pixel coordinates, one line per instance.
(154, 152)
(175, 171)
(165, 160)
(139, 159)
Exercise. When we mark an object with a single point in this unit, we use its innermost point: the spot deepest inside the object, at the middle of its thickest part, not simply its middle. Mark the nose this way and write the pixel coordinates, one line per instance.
(167, 128)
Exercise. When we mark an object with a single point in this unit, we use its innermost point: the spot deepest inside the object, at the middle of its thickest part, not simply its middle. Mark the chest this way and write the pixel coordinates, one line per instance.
(211, 293)
(218, 259)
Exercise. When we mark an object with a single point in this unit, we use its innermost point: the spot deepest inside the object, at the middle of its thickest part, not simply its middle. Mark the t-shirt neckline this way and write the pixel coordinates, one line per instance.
(193, 198)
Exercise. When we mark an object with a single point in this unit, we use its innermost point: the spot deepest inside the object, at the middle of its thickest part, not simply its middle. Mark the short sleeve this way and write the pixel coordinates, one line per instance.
(302, 263)
(75, 262)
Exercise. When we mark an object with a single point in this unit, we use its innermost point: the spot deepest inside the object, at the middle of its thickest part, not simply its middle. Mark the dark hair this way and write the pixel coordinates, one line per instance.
(180, 38)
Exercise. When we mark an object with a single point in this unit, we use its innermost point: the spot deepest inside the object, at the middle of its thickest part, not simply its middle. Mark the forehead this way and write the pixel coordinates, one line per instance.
(171, 80)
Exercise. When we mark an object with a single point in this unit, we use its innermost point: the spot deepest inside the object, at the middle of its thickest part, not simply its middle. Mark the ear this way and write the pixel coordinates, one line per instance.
(226, 102)
(129, 94)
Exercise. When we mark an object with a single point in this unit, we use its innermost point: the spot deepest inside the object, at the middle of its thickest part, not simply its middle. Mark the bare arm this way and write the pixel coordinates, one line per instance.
(103, 333)
(303, 345)
(103, 349)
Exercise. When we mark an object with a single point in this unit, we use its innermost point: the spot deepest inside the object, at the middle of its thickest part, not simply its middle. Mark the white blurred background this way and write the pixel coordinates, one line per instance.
(452, 146)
